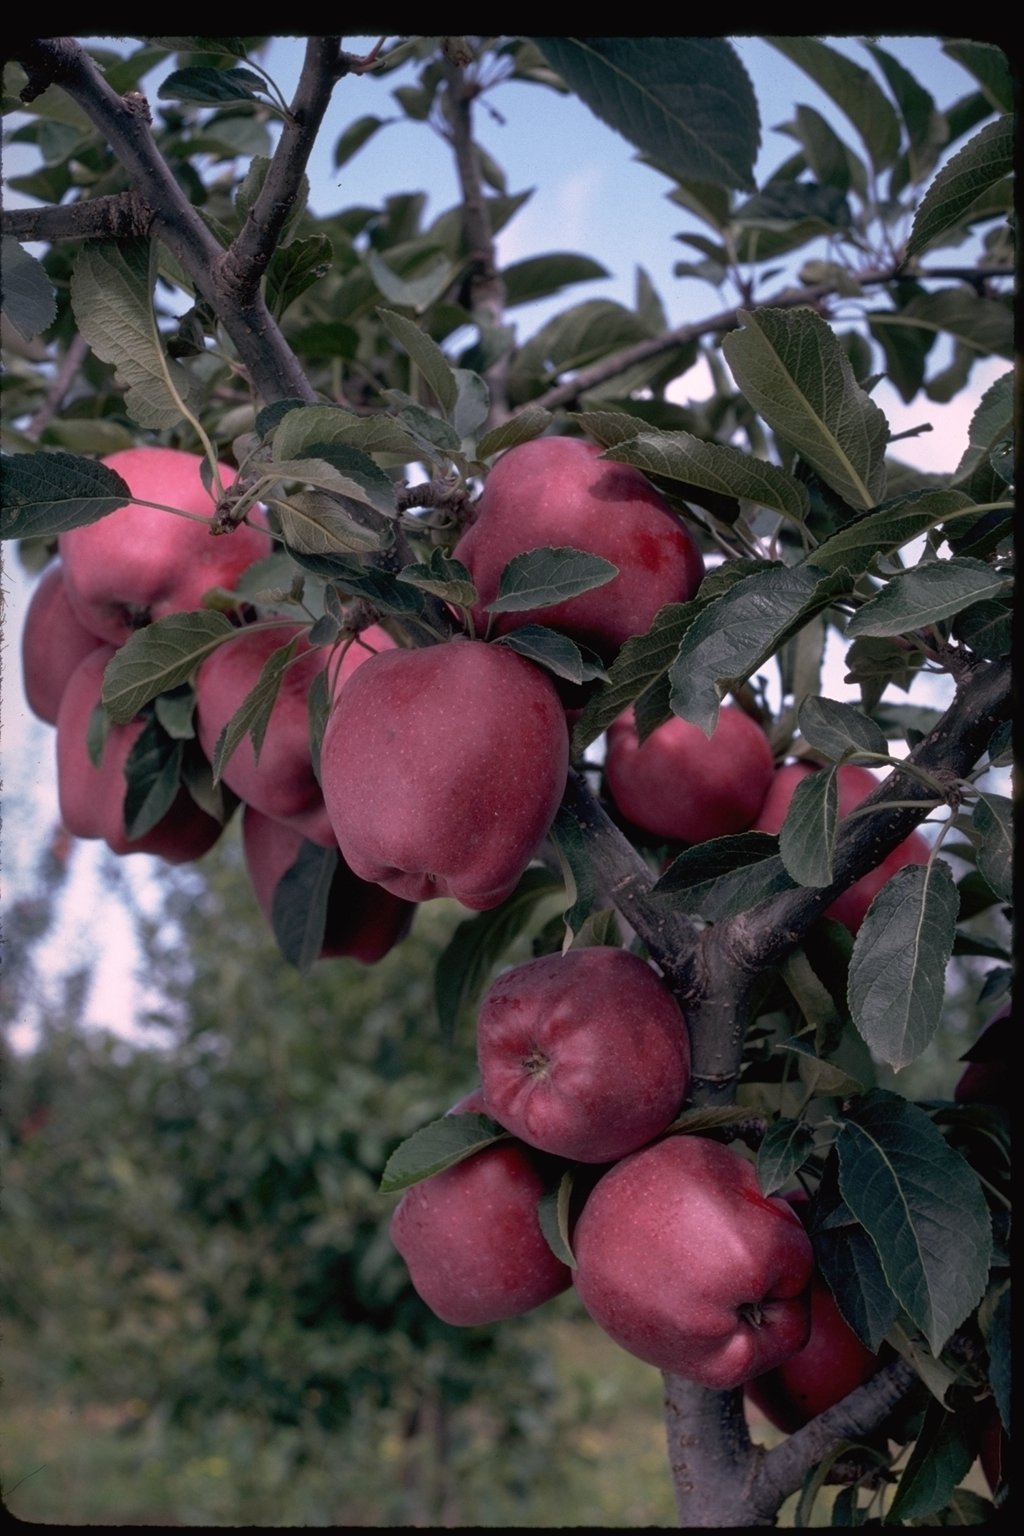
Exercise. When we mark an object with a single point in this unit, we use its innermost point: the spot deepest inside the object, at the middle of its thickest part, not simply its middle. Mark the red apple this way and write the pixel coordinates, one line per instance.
(140, 563)
(831, 1364)
(584, 1055)
(363, 921)
(280, 782)
(988, 1077)
(683, 786)
(557, 492)
(53, 642)
(92, 799)
(684, 1263)
(442, 770)
(854, 784)
(471, 1237)
(994, 1448)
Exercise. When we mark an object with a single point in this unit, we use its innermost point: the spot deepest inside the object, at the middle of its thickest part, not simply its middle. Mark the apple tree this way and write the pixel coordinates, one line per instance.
(447, 610)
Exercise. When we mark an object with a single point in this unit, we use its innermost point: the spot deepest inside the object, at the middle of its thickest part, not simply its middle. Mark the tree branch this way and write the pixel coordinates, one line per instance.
(124, 121)
(251, 250)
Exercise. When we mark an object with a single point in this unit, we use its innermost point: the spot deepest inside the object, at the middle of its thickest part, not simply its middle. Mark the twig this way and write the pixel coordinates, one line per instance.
(74, 357)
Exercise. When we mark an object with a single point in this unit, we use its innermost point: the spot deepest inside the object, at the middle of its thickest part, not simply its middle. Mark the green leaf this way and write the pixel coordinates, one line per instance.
(555, 652)
(839, 731)
(990, 67)
(577, 870)
(716, 467)
(857, 545)
(718, 879)
(849, 1261)
(991, 425)
(318, 523)
(853, 89)
(686, 102)
(794, 371)
(472, 404)
(45, 494)
(158, 658)
(523, 427)
(437, 1146)
(923, 1208)
(898, 969)
(541, 276)
(987, 627)
(210, 86)
(253, 714)
(553, 1214)
(739, 631)
(112, 299)
(982, 325)
(939, 1459)
(807, 837)
(321, 425)
(153, 774)
(294, 268)
(821, 1076)
(175, 711)
(355, 136)
(642, 661)
(427, 356)
(786, 1147)
(979, 165)
(298, 912)
(443, 577)
(479, 942)
(417, 292)
(992, 833)
(29, 300)
(926, 594)
(540, 577)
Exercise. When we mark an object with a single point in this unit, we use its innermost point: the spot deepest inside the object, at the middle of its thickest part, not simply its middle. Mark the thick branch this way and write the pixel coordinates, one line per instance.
(246, 260)
(120, 216)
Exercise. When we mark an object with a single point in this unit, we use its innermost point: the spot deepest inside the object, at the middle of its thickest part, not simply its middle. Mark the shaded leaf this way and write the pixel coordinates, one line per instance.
(715, 467)
(853, 89)
(992, 832)
(298, 913)
(577, 870)
(437, 1146)
(553, 1215)
(443, 577)
(807, 837)
(152, 772)
(857, 545)
(523, 427)
(687, 102)
(556, 652)
(898, 970)
(253, 714)
(45, 494)
(794, 371)
(979, 324)
(983, 161)
(294, 268)
(923, 1208)
(641, 661)
(210, 86)
(428, 357)
(417, 292)
(839, 731)
(540, 276)
(786, 1146)
(355, 136)
(939, 1459)
(319, 425)
(29, 299)
(724, 876)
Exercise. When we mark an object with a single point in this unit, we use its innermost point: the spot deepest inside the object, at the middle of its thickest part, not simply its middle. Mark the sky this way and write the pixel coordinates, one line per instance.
(590, 196)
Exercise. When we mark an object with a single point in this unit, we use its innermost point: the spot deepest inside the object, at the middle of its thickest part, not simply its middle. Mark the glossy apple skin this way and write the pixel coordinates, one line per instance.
(53, 642)
(585, 1055)
(442, 769)
(557, 491)
(139, 563)
(471, 1238)
(988, 1077)
(685, 1264)
(853, 784)
(684, 786)
(92, 799)
(280, 782)
(363, 921)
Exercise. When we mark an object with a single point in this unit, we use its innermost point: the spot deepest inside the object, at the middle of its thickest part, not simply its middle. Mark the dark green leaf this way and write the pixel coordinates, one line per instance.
(553, 1215)
(355, 136)
(253, 714)
(687, 102)
(793, 370)
(716, 467)
(986, 628)
(294, 268)
(853, 89)
(540, 276)
(544, 576)
(857, 545)
(849, 1261)
(820, 1076)
(428, 357)
(992, 831)
(577, 869)
(521, 428)
(737, 633)
(298, 910)
(982, 325)
(897, 974)
(159, 657)
(443, 577)
(437, 1146)
(556, 652)
(807, 837)
(210, 86)
(983, 161)
(724, 876)
(642, 661)
(929, 592)
(319, 425)
(923, 1208)
(175, 710)
(45, 494)
(938, 1461)
(990, 67)
(478, 944)
(29, 300)
(153, 774)
(786, 1147)
(839, 731)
